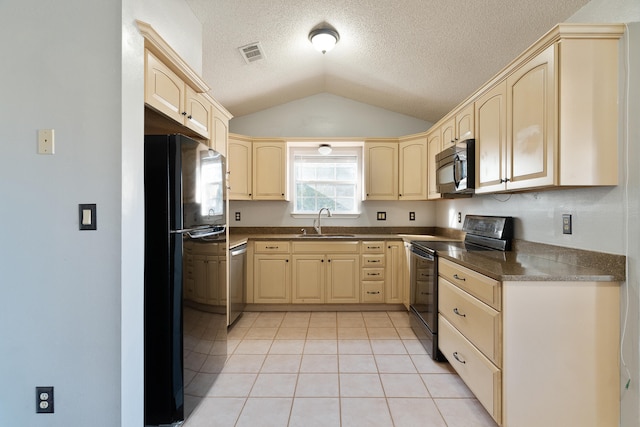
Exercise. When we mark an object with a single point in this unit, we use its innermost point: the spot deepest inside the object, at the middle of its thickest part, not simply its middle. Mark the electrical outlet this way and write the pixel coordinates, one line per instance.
(412, 216)
(44, 400)
(459, 217)
(382, 216)
(566, 224)
(237, 216)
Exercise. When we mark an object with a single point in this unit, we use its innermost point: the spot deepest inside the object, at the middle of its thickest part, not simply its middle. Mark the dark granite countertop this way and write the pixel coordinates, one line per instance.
(529, 261)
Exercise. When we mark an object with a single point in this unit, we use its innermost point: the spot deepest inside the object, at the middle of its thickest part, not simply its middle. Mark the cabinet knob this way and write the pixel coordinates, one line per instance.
(184, 113)
(189, 117)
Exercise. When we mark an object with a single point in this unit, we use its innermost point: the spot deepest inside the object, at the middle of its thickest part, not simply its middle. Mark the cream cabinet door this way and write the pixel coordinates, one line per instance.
(413, 169)
(198, 113)
(272, 279)
(219, 132)
(394, 273)
(163, 89)
(343, 273)
(434, 146)
(308, 278)
(531, 123)
(381, 170)
(465, 123)
(239, 163)
(269, 170)
(491, 140)
(448, 132)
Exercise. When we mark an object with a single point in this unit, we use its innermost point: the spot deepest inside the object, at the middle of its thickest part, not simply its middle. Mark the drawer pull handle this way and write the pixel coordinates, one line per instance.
(455, 276)
(373, 274)
(271, 247)
(373, 293)
(455, 310)
(455, 354)
(373, 247)
(373, 260)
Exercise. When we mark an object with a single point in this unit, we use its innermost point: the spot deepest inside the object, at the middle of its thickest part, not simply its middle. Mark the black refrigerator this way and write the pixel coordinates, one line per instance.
(184, 190)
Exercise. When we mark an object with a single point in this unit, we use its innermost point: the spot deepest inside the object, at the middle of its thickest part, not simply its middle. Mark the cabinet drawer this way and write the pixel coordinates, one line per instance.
(275, 247)
(373, 260)
(478, 322)
(372, 291)
(373, 274)
(482, 377)
(480, 286)
(326, 247)
(372, 247)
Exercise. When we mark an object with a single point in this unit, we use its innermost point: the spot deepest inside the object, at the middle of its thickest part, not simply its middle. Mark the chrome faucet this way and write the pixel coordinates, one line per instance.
(317, 227)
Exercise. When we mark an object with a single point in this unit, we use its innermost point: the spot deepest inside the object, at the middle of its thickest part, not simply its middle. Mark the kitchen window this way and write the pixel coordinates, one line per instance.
(326, 181)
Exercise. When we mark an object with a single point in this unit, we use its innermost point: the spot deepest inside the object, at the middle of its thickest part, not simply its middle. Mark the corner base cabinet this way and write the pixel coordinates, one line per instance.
(534, 353)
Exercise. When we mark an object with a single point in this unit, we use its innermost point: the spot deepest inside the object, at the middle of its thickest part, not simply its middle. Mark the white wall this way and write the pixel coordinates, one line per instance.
(327, 115)
(60, 300)
(278, 214)
(72, 300)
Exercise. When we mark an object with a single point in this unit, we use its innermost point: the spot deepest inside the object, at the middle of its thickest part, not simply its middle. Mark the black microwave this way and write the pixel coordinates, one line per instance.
(455, 168)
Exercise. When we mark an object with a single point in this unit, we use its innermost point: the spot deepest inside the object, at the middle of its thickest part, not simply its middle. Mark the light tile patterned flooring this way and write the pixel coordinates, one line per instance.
(320, 369)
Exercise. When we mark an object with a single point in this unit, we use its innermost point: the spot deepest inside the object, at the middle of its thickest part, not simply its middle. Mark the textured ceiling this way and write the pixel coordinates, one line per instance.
(416, 57)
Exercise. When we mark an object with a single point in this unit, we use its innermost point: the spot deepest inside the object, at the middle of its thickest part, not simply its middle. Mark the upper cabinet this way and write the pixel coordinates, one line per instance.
(547, 122)
(465, 123)
(177, 98)
(381, 170)
(168, 94)
(458, 127)
(491, 139)
(269, 169)
(413, 168)
(240, 163)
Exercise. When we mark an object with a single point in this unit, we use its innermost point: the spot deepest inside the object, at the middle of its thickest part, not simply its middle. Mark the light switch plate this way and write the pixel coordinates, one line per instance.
(87, 217)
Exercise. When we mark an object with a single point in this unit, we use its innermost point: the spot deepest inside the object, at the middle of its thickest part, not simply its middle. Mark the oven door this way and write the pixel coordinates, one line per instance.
(423, 279)
(424, 299)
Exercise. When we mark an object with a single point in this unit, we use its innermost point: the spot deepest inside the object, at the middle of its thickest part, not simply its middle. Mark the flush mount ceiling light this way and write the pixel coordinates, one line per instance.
(324, 39)
(324, 149)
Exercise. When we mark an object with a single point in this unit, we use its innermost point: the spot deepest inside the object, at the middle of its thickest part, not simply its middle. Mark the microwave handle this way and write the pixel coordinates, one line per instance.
(456, 178)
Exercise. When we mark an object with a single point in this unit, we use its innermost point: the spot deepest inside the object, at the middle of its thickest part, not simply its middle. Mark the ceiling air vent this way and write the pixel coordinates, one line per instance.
(252, 52)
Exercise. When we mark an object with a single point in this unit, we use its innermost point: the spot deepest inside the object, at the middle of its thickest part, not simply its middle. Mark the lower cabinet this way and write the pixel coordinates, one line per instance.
(327, 272)
(272, 272)
(343, 284)
(309, 277)
(533, 353)
(394, 273)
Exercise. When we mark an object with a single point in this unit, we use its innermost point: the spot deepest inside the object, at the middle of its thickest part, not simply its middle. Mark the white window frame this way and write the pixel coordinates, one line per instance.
(311, 149)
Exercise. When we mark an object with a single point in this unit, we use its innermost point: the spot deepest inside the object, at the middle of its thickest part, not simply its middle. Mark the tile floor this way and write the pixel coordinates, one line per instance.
(319, 369)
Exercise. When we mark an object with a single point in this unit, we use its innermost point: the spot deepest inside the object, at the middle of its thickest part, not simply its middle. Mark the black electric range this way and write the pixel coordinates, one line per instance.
(483, 233)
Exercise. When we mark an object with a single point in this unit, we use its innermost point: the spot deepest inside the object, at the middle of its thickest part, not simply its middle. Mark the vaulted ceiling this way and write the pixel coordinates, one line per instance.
(415, 57)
